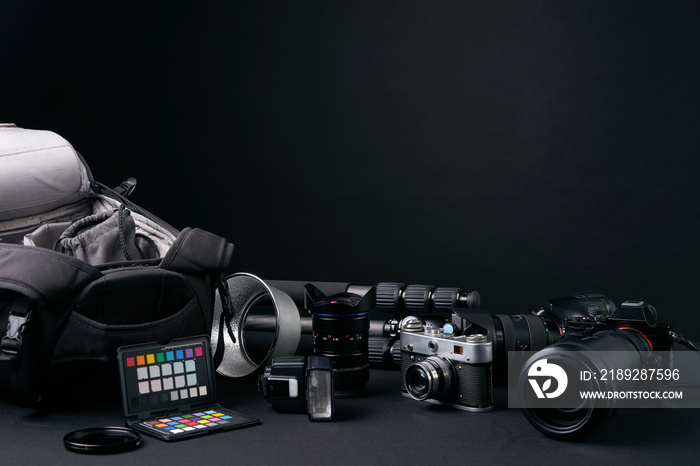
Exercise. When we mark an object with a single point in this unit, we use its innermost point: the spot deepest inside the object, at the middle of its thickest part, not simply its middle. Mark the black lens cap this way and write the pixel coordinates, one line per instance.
(98, 440)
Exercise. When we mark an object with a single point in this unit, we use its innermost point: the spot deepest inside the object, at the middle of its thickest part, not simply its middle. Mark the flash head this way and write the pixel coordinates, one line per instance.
(293, 385)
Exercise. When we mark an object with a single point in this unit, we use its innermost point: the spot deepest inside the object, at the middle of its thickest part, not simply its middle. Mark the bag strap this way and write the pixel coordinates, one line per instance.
(126, 187)
(120, 193)
(19, 316)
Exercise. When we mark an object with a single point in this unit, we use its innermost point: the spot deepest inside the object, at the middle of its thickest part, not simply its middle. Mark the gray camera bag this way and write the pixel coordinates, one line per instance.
(83, 271)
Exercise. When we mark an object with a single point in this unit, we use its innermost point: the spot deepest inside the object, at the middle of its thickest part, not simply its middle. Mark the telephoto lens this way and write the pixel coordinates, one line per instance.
(340, 326)
(597, 343)
(509, 332)
(625, 349)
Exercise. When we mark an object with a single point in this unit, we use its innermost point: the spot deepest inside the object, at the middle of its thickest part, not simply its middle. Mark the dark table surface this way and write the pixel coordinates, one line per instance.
(380, 427)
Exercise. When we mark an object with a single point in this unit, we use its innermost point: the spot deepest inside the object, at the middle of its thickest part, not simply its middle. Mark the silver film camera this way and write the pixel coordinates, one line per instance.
(440, 367)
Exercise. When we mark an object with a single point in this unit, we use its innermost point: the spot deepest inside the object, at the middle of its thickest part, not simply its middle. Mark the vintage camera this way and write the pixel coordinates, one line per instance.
(294, 385)
(440, 367)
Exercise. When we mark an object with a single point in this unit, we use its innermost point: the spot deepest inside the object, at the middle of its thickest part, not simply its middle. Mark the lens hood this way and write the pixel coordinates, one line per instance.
(228, 338)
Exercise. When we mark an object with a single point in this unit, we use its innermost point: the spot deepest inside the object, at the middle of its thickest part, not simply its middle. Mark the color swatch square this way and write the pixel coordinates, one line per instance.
(190, 365)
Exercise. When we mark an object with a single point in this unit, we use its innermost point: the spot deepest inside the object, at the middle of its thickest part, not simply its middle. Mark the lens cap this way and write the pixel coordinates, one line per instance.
(99, 440)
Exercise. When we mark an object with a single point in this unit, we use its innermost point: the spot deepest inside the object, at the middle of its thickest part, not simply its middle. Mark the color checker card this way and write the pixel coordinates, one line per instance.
(169, 391)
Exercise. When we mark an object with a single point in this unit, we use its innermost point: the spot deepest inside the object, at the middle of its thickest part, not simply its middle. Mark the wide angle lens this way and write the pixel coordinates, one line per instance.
(340, 325)
(343, 339)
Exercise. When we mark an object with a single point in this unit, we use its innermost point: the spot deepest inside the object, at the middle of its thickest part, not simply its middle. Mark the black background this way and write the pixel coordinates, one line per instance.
(521, 149)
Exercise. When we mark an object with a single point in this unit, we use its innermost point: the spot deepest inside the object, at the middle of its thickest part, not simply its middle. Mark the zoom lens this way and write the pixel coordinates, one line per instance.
(430, 378)
(522, 332)
(509, 332)
(618, 349)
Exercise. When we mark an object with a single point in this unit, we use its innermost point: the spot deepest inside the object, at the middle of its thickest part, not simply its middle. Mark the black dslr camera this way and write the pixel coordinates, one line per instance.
(590, 333)
(587, 315)
(597, 336)
(294, 386)
(441, 367)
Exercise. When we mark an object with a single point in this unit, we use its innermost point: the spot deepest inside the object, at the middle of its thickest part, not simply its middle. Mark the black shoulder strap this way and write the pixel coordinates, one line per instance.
(120, 193)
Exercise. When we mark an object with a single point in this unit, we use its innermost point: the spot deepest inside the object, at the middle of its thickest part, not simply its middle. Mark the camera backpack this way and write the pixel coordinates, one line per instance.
(83, 271)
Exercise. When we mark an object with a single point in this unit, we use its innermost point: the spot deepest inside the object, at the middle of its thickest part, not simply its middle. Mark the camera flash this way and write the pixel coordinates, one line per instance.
(319, 383)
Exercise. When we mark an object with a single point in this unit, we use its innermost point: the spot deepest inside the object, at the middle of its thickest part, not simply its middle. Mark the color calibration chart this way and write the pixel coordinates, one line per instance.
(169, 391)
(167, 376)
(189, 422)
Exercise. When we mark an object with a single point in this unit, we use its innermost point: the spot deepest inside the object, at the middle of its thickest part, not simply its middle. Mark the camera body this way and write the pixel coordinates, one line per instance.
(632, 316)
(293, 385)
(441, 367)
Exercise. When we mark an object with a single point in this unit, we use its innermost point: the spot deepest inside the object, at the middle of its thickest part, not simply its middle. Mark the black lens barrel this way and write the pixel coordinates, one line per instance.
(526, 332)
(618, 349)
(344, 339)
(340, 326)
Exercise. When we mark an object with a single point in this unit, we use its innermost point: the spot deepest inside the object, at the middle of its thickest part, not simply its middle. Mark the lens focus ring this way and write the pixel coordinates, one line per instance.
(430, 378)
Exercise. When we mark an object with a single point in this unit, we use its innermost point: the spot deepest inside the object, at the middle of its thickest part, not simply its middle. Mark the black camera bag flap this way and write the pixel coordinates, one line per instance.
(198, 251)
(36, 289)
